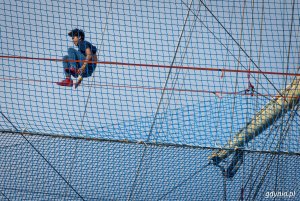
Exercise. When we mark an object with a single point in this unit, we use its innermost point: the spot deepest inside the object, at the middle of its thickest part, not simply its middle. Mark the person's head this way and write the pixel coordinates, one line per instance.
(77, 35)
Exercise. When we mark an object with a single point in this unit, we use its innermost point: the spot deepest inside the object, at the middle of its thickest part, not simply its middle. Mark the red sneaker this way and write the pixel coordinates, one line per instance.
(66, 82)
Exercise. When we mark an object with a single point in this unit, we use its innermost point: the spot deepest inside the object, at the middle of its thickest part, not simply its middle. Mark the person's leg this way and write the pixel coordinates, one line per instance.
(66, 66)
(87, 73)
(74, 57)
(70, 62)
(89, 69)
(68, 81)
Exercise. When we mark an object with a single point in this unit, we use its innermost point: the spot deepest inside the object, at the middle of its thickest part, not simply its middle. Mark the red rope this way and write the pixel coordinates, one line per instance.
(217, 93)
(156, 66)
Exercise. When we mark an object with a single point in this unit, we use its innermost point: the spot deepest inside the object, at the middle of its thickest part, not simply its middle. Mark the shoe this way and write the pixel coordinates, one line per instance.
(66, 82)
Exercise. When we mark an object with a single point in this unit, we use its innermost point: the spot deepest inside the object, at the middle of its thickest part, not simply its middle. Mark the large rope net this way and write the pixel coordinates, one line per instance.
(175, 82)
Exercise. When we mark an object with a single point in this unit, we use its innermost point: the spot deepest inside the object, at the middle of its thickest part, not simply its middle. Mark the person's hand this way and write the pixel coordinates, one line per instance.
(78, 82)
(80, 71)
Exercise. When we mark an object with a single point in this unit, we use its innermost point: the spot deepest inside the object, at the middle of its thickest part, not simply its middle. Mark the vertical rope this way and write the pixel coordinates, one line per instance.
(286, 78)
(241, 48)
(256, 102)
(236, 77)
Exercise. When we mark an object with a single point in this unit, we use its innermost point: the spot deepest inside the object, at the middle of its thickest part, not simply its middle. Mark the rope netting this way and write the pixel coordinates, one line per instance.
(174, 82)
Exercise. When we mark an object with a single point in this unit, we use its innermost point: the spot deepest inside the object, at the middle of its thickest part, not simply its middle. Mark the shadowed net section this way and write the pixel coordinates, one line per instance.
(100, 170)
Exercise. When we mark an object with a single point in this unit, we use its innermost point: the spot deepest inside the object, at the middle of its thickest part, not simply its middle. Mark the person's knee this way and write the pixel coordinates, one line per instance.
(71, 50)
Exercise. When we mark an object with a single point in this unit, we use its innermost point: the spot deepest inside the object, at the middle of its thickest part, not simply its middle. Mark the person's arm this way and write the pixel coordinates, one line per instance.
(88, 58)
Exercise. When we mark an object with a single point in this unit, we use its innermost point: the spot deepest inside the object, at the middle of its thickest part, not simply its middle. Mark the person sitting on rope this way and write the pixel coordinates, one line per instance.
(78, 63)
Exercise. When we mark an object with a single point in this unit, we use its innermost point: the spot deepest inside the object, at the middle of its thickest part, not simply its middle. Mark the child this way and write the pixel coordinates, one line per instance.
(79, 63)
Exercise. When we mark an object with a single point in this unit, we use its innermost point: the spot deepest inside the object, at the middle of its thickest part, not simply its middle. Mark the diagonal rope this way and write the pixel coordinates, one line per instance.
(241, 48)
(236, 77)
(250, 87)
(43, 157)
(184, 181)
(254, 163)
(4, 196)
(236, 59)
(159, 104)
(290, 41)
(286, 78)
(273, 157)
(175, 80)
(174, 83)
(89, 95)
(288, 123)
(93, 78)
(169, 73)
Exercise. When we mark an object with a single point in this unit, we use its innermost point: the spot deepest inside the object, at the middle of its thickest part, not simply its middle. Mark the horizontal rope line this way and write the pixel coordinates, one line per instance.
(157, 66)
(125, 141)
(217, 93)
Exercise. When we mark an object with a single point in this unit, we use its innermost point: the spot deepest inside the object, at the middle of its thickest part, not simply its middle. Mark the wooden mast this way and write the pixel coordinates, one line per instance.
(276, 108)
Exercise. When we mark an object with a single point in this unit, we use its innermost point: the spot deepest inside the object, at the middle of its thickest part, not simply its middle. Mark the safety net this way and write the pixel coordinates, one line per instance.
(187, 100)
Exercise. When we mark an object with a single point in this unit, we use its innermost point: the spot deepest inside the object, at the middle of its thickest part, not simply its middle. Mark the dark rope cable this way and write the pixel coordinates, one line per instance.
(239, 62)
(173, 84)
(240, 47)
(290, 119)
(184, 181)
(159, 105)
(61, 176)
(4, 196)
